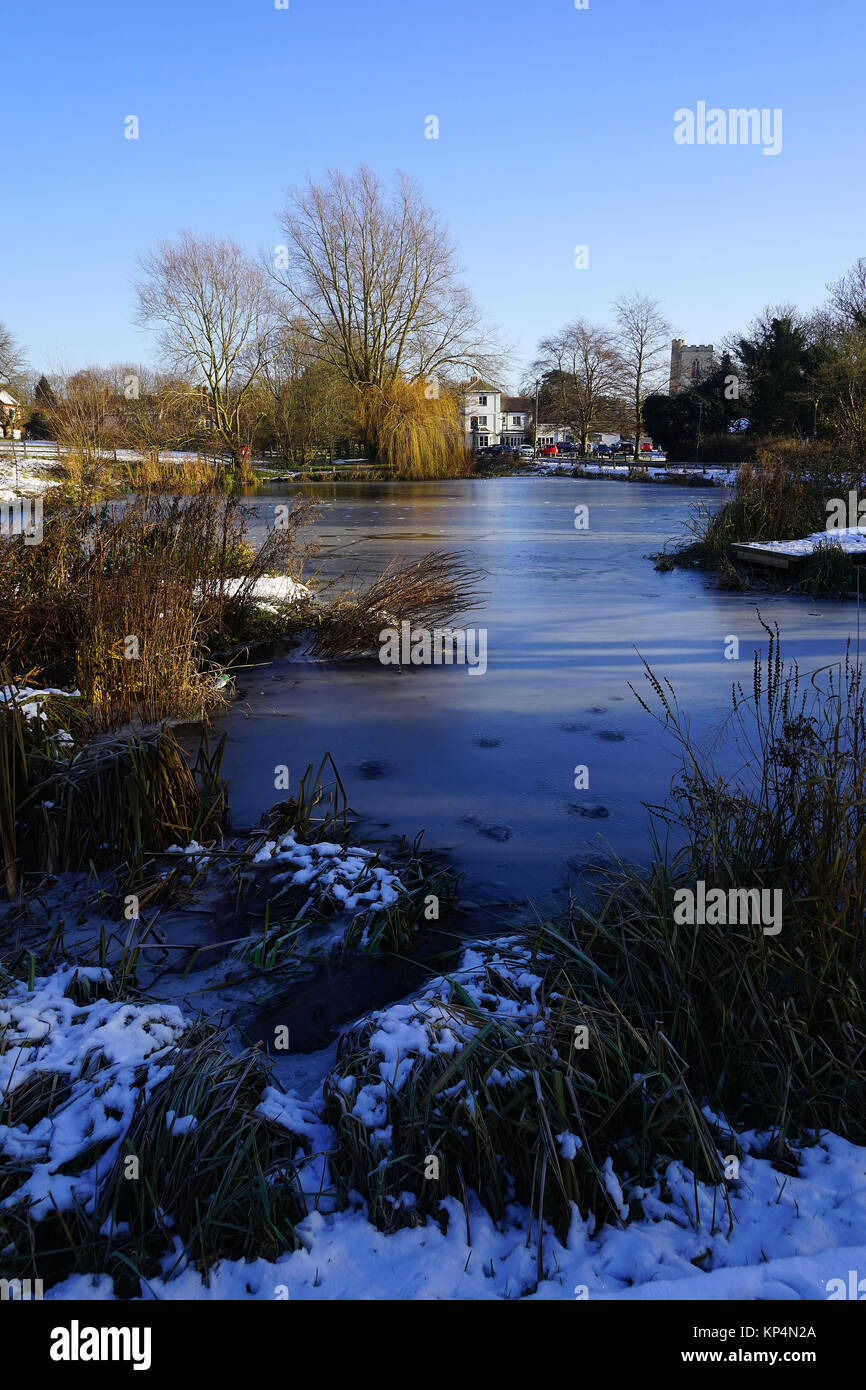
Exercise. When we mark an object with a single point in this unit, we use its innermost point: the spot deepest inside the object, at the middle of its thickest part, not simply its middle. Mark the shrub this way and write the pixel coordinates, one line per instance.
(428, 592)
(829, 571)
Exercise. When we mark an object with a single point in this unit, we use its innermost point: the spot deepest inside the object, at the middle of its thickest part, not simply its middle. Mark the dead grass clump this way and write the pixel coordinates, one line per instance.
(155, 469)
(428, 593)
(127, 603)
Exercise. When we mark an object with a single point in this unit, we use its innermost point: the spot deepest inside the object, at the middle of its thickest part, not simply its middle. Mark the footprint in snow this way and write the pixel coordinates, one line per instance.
(488, 828)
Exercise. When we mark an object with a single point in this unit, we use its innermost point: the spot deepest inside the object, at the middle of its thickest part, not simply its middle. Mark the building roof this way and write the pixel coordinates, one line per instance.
(477, 385)
(523, 403)
(6, 399)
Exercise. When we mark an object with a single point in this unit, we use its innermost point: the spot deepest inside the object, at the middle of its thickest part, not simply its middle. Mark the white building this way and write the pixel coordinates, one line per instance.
(490, 417)
(554, 434)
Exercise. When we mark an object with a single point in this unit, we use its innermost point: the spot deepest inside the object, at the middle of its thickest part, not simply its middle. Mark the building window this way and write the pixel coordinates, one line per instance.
(482, 441)
(517, 419)
(482, 420)
(482, 400)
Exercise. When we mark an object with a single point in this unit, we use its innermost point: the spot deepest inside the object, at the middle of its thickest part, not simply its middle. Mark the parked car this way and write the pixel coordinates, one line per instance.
(567, 448)
(646, 448)
(549, 451)
(602, 451)
(526, 451)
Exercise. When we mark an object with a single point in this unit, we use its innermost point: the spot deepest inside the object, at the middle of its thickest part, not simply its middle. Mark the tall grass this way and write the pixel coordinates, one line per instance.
(227, 1186)
(111, 801)
(498, 1080)
(429, 592)
(127, 603)
(773, 1026)
(155, 469)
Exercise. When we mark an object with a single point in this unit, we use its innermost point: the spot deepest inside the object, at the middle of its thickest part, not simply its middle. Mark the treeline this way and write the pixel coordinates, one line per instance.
(356, 335)
(352, 335)
(791, 376)
(297, 416)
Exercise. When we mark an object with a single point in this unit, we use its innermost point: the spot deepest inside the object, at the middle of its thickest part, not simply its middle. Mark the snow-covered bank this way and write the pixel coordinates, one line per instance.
(718, 474)
(851, 539)
(791, 1235)
(25, 484)
(102, 1055)
(270, 590)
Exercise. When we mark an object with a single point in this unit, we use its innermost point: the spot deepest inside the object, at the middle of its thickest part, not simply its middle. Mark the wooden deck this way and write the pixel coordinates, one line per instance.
(757, 555)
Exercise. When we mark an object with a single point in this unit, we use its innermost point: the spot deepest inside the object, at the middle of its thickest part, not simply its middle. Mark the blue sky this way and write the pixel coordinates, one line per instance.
(556, 130)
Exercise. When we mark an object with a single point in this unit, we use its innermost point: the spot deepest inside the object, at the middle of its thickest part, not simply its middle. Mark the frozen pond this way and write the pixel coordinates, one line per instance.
(484, 764)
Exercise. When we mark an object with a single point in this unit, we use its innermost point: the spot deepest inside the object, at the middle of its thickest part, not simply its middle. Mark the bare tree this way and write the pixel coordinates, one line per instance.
(215, 312)
(642, 336)
(12, 360)
(374, 274)
(848, 295)
(583, 371)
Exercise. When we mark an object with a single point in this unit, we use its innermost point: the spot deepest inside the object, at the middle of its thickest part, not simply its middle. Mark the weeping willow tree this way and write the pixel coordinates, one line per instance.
(413, 432)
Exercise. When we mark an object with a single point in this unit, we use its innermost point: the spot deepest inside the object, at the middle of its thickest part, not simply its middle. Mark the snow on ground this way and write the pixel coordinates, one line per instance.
(346, 875)
(791, 1238)
(718, 474)
(268, 590)
(25, 485)
(271, 589)
(28, 699)
(852, 539)
(22, 468)
(95, 1049)
(791, 1235)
